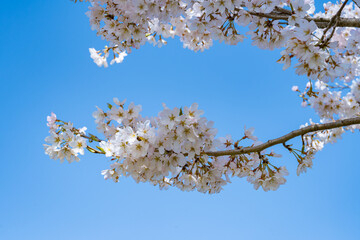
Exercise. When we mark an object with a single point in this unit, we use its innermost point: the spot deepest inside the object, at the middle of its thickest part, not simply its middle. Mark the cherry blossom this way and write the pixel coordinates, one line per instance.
(179, 146)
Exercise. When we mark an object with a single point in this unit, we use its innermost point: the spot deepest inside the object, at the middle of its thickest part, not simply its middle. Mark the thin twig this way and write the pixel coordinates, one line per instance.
(334, 21)
(92, 137)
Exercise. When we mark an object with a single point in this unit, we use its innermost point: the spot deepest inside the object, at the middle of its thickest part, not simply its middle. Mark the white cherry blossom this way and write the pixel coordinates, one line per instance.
(179, 146)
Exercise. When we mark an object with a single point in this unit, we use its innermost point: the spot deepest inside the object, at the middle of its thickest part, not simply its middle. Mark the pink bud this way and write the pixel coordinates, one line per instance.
(295, 88)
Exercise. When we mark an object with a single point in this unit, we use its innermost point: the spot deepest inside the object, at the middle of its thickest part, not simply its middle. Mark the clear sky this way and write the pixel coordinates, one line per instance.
(45, 67)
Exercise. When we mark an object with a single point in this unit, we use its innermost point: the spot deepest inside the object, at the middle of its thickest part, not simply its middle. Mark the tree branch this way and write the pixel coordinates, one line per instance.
(287, 137)
(333, 23)
(320, 22)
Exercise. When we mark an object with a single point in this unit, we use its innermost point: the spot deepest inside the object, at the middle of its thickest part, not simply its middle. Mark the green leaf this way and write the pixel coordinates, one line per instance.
(91, 150)
(101, 149)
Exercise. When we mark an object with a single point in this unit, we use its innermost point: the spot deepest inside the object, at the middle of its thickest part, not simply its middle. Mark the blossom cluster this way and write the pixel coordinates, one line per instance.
(330, 103)
(130, 24)
(314, 142)
(66, 141)
(168, 150)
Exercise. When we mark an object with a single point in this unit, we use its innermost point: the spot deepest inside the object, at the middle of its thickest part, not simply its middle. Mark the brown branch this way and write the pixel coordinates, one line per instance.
(336, 16)
(282, 10)
(334, 21)
(284, 14)
(287, 137)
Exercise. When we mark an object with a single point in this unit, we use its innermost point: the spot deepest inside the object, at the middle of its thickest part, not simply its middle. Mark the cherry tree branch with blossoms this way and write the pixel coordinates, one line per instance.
(283, 14)
(283, 139)
(179, 147)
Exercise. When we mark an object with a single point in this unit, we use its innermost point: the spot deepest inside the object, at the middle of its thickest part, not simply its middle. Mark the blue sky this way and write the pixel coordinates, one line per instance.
(45, 67)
